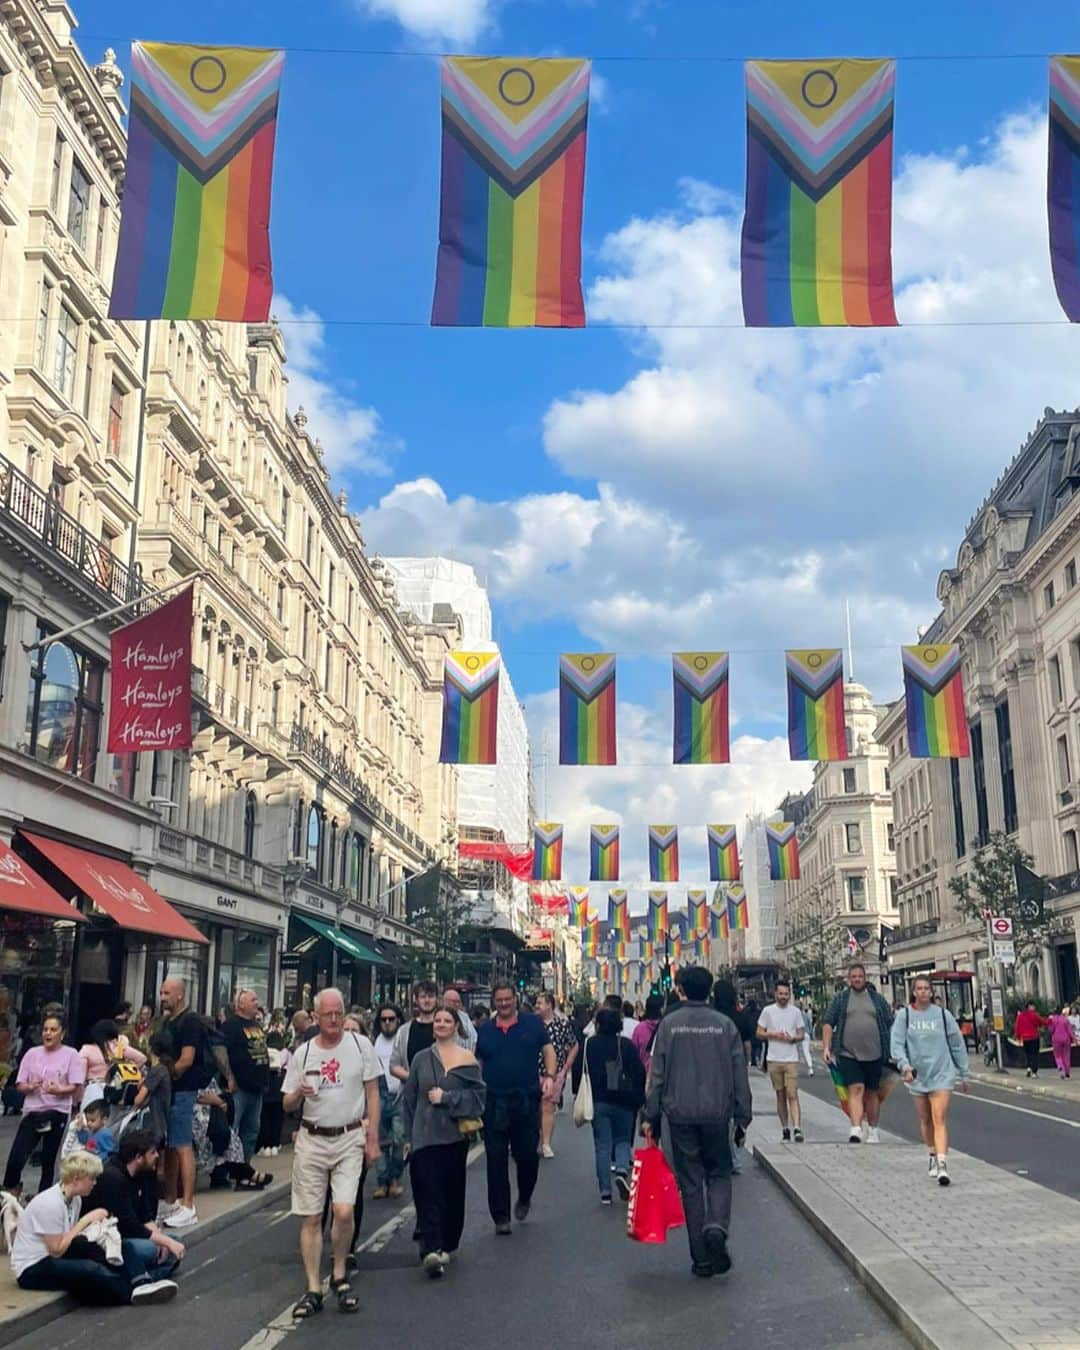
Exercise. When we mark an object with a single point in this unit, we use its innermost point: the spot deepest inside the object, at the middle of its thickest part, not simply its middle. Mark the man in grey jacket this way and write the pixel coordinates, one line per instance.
(698, 1082)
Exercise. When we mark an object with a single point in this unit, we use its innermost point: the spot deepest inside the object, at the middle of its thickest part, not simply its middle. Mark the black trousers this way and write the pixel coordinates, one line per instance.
(270, 1123)
(358, 1207)
(438, 1176)
(511, 1127)
(44, 1127)
(1031, 1054)
(701, 1157)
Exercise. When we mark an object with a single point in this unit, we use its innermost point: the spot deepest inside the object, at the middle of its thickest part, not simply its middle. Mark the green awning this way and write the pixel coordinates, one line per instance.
(342, 940)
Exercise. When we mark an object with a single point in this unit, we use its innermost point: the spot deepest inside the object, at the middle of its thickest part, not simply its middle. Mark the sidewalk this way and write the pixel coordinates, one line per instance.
(985, 1263)
(22, 1311)
(1048, 1084)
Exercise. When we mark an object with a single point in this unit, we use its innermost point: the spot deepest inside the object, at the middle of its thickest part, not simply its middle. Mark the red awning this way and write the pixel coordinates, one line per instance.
(21, 888)
(116, 889)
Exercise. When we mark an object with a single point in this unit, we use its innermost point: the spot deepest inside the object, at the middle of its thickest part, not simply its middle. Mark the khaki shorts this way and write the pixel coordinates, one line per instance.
(784, 1077)
(319, 1162)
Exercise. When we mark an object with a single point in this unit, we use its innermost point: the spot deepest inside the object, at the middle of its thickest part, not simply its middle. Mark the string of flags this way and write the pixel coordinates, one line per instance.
(816, 240)
(933, 690)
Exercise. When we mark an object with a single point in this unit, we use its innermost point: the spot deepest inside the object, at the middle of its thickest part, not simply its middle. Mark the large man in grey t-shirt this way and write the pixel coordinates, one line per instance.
(855, 1038)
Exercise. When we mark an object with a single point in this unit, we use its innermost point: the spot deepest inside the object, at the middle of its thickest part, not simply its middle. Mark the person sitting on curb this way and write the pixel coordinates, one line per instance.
(127, 1188)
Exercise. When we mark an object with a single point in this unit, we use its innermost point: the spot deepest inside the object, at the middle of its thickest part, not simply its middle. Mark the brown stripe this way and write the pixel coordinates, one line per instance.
(203, 167)
(534, 166)
(841, 163)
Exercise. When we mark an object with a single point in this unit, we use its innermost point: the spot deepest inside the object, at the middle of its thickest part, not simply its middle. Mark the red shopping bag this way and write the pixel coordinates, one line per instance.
(655, 1204)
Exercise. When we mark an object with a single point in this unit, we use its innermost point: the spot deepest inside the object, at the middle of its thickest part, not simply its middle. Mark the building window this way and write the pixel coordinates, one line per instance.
(330, 586)
(67, 350)
(314, 841)
(99, 242)
(1070, 574)
(1005, 763)
(853, 838)
(890, 836)
(116, 420)
(44, 306)
(356, 867)
(57, 172)
(856, 894)
(332, 854)
(849, 780)
(284, 511)
(275, 706)
(892, 892)
(1057, 689)
(63, 707)
(78, 212)
(1072, 857)
(249, 825)
(305, 633)
(343, 873)
(281, 601)
(888, 779)
(957, 808)
(978, 769)
(1064, 768)
(327, 667)
(88, 379)
(309, 541)
(1048, 595)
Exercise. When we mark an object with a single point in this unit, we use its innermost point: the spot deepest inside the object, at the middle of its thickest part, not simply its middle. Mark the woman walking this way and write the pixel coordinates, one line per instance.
(929, 1051)
(443, 1094)
(561, 1031)
(617, 1077)
(1061, 1041)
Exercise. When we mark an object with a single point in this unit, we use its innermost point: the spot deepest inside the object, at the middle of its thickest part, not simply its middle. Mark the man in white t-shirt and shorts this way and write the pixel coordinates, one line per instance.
(334, 1077)
(781, 1024)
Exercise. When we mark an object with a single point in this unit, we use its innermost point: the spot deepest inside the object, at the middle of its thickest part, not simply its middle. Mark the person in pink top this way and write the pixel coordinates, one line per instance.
(106, 1047)
(645, 1031)
(51, 1075)
(1061, 1041)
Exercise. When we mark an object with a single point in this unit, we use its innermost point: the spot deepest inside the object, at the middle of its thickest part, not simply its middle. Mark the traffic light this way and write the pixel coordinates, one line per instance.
(654, 988)
(666, 977)
(521, 984)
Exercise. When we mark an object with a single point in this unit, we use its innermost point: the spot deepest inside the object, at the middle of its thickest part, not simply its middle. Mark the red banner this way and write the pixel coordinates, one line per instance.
(551, 904)
(150, 671)
(518, 860)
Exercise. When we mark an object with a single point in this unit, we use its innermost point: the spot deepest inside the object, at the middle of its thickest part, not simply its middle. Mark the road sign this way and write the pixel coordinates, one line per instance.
(997, 1006)
(1004, 952)
(1001, 927)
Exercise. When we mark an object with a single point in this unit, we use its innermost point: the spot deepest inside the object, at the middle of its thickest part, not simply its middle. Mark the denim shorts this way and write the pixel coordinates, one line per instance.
(181, 1120)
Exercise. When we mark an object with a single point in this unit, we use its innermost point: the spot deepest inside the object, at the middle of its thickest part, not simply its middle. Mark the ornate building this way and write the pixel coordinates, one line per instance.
(131, 456)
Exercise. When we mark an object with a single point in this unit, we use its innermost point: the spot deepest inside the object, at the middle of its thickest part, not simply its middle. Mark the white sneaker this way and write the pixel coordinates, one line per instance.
(855, 1136)
(547, 1151)
(165, 1208)
(155, 1291)
(943, 1178)
(811, 1071)
(932, 1170)
(872, 1136)
(864, 1130)
(182, 1217)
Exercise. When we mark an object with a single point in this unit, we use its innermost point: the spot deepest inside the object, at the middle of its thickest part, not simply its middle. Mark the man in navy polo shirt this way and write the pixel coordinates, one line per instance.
(508, 1046)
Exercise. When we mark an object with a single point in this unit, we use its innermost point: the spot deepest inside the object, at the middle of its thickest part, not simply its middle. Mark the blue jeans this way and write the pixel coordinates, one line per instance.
(391, 1136)
(613, 1133)
(141, 1261)
(247, 1113)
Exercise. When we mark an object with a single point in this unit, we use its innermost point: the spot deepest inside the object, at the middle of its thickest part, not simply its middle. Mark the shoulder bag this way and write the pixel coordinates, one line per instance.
(583, 1102)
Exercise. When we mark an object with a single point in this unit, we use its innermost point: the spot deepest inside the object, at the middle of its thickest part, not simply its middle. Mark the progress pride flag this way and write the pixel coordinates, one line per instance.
(150, 697)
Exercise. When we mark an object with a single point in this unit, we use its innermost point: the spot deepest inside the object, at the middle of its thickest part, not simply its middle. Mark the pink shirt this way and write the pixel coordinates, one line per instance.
(62, 1065)
(97, 1069)
(1061, 1032)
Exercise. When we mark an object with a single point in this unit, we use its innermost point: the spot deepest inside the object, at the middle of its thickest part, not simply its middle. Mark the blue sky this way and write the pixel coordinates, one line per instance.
(663, 487)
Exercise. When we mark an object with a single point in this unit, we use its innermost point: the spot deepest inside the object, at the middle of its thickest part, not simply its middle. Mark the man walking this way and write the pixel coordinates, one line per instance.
(249, 1064)
(855, 1037)
(183, 1027)
(335, 1076)
(782, 1025)
(698, 1081)
(507, 1047)
(391, 1120)
(466, 1037)
(419, 1032)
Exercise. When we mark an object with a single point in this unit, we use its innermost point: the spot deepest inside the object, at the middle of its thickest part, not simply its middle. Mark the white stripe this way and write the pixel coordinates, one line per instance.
(1024, 1110)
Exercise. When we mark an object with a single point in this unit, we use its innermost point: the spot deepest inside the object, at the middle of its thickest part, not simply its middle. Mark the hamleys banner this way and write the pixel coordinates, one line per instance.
(150, 695)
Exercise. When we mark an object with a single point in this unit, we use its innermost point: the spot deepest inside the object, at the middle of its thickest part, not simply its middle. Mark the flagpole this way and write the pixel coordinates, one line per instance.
(850, 652)
(110, 613)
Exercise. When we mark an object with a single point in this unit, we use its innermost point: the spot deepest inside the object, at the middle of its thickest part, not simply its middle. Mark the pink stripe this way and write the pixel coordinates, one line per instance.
(782, 110)
(514, 141)
(1066, 86)
(248, 93)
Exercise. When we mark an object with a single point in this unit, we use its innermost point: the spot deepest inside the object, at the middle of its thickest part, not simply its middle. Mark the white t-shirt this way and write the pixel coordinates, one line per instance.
(338, 1075)
(384, 1048)
(789, 1019)
(47, 1215)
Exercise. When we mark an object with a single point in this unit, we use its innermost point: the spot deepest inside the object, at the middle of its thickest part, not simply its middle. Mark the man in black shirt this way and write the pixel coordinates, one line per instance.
(127, 1188)
(250, 1067)
(419, 1032)
(187, 1037)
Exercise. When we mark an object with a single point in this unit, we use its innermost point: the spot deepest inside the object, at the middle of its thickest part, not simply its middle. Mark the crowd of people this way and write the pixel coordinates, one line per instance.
(147, 1102)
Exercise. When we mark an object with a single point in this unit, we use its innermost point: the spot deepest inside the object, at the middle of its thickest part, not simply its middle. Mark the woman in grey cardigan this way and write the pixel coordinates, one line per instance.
(444, 1087)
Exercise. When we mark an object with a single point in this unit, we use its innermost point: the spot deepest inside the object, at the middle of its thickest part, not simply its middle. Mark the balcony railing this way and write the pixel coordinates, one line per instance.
(213, 859)
(914, 931)
(40, 515)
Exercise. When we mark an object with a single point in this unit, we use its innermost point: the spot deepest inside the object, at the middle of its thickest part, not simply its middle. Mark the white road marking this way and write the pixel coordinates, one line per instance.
(279, 1327)
(1024, 1110)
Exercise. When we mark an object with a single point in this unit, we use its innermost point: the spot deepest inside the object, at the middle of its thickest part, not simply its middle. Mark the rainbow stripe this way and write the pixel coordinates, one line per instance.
(934, 699)
(603, 853)
(587, 708)
(590, 939)
(738, 910)
(195, 227)
(658, 917)
(663, 852)
(723, 848)
(619, 915)
(817, 233)
(675, 945)
(1063, 181)
(718, 923)
(697, 912)
(701, 707)
(547, 851)
(513, 181)
(579, 906)
(783, 851)
(815, 690)
(470, 707)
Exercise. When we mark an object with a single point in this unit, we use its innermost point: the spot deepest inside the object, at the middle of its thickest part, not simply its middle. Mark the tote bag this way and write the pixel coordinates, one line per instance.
(583, 1102)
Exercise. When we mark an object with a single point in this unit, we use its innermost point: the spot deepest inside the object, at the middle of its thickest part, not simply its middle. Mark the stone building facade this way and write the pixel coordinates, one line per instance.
(132, 456)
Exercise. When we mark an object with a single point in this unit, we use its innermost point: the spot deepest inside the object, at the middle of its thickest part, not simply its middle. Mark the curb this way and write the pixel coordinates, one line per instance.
(14, 1325)
(1004, 1083)
(921, 1305)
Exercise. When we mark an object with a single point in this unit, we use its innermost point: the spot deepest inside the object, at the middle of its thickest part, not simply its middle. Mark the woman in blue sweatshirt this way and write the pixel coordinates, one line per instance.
(930, 1053)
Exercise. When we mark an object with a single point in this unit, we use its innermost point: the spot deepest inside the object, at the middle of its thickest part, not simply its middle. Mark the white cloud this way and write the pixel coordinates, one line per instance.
(460, 21)
(351, 434)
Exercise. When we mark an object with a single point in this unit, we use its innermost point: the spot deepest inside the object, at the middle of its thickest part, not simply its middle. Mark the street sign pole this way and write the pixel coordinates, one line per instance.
(997, 930)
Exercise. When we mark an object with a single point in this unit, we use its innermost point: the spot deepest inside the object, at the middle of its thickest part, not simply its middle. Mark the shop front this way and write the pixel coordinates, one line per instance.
(321, 955)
